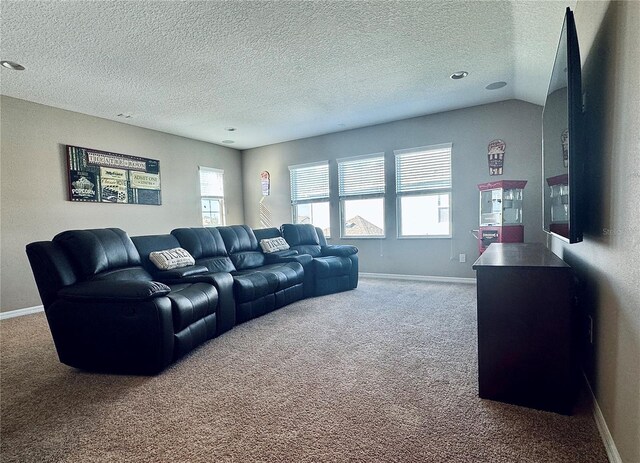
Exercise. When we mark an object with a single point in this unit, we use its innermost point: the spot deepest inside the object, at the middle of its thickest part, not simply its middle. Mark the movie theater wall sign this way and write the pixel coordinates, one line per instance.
(104, 177)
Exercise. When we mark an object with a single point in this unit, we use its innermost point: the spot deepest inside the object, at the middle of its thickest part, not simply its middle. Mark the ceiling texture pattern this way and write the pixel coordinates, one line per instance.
(274, 70)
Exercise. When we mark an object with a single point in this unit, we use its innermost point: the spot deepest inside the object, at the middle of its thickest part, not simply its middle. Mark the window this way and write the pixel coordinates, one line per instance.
(212, 196)
(310, 195)
(423, 186)
(361, 187)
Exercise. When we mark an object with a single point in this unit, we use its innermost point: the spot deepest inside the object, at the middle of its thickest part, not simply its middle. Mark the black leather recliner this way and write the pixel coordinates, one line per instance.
(289, 255)
(334, 267)
(105, 311)
(260, 285)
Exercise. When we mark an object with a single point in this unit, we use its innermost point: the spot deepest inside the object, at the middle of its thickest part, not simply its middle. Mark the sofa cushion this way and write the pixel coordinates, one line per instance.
(169, 259)
(238, 238)
(98, 250)
(299, 234)
(201, 242)
(217, 264)
(182, 272)
(284, 274)
(247, 260)
(205, 244)
(303, 238)
(242, 246)
(270, 245)
(311, 249)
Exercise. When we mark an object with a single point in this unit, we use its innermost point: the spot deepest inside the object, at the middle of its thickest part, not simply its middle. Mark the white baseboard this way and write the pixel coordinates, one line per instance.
(395, 276)
(603, 429)
(21, 312)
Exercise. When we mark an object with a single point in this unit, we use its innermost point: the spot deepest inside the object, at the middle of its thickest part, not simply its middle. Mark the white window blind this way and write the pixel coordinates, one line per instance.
(423, 169)
(211, 182)
(362, 175)
(309, 182)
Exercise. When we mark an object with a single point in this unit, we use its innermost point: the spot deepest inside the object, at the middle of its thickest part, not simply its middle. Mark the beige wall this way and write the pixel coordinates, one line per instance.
(470, 130)
(608, 261)
(33, 191)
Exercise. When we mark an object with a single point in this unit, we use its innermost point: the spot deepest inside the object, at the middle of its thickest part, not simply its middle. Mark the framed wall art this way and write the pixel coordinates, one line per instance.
(105, 177)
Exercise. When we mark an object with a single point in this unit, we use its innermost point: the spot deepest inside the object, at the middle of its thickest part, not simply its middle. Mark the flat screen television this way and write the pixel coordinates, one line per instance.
(563, 155)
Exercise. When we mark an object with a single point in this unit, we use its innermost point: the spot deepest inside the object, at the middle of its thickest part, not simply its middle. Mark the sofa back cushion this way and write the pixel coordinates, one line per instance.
(153, 243)
(99, 250)
(206, 246)
(266, 233)
(302, 238)
(52, 269)
(201, 242)
(242, 246)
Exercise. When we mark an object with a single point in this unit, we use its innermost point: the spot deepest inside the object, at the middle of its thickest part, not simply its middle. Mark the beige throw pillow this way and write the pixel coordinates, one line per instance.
(171, 258)
(273, 245)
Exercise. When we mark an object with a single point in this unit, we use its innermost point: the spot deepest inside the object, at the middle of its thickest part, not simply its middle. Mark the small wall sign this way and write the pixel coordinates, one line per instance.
(496, 151)
(265, 181)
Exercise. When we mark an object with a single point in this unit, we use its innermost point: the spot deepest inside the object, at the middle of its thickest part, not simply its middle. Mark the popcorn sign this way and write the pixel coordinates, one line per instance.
(496, 151)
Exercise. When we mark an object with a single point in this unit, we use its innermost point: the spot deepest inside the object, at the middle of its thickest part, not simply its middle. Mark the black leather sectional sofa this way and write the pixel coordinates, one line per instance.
(111, 309)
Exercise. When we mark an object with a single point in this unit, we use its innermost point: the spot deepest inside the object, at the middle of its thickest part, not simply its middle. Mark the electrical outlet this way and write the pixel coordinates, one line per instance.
(590, 328)
(463, 258)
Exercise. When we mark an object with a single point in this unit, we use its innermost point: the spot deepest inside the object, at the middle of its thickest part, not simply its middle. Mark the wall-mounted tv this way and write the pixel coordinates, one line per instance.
(563, 153)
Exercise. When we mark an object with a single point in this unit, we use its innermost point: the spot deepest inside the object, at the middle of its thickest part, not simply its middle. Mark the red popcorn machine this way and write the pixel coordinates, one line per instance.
(559, 194)
(500, 213)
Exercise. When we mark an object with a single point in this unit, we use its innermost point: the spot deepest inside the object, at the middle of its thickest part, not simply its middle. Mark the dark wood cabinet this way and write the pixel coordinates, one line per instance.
(526, 327)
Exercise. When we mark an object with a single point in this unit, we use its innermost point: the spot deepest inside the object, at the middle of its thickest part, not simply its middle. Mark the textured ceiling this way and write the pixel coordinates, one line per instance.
(275, 70)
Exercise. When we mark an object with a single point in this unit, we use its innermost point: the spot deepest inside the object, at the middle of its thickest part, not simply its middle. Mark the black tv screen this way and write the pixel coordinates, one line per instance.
(562, 141)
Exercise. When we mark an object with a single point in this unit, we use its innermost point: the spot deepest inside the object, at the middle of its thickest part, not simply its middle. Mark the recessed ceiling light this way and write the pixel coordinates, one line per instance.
(496, 85)
(228, 142)
(459, 75)
(230, 129)
(11, 65)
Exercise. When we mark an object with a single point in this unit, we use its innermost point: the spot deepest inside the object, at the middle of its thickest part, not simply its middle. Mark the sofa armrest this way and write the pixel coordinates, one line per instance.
(339, 250)
(177, 273)
(278, 256)
(226, 301)
(114, 290)
(223, 282)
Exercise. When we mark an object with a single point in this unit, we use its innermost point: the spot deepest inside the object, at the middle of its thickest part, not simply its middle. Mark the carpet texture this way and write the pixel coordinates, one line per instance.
(384, 373)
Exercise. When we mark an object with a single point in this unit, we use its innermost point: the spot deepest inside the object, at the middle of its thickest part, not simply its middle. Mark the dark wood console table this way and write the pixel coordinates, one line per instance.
(526, 336)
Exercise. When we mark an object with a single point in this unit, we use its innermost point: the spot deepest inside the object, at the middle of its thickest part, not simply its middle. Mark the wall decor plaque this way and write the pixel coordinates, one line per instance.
(265, 182)
(496, 151)
(105, 177)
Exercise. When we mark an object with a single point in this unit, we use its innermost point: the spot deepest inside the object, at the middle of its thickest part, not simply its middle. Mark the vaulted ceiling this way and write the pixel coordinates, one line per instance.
(275, 70)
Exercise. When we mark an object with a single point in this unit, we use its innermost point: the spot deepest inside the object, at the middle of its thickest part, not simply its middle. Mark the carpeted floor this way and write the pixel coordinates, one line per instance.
(385, 373)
